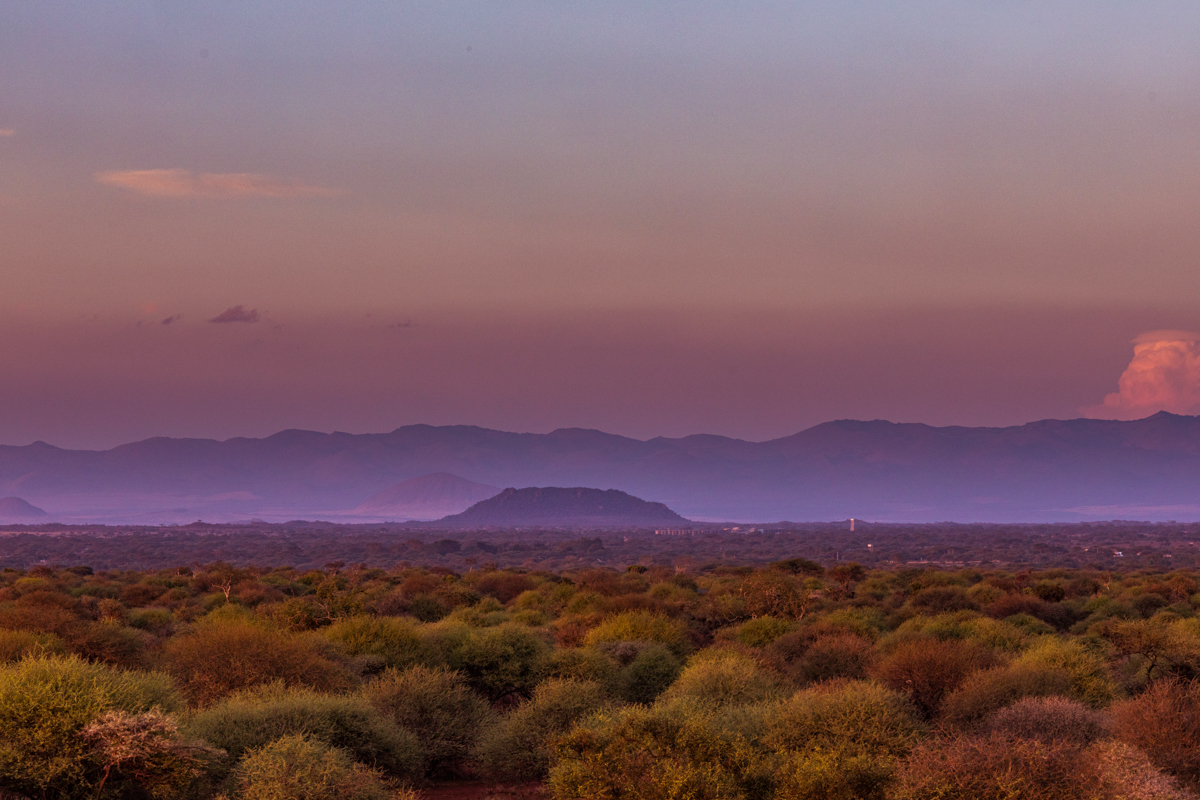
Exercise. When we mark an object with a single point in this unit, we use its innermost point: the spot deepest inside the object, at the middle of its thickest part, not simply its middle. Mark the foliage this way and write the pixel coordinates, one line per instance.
(255, 718)
(446, 715)
(298, 768)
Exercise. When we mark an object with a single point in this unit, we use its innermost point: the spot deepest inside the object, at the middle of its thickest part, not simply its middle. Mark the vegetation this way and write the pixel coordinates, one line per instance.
(786, 681)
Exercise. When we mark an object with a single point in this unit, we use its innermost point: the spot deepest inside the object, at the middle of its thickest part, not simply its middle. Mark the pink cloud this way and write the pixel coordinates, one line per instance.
(182, 183)
(1164, 375)
(7, 132)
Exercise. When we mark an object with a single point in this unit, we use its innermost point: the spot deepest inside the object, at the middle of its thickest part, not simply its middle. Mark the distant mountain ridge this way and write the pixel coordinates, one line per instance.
(1052, 470)
(563, 507)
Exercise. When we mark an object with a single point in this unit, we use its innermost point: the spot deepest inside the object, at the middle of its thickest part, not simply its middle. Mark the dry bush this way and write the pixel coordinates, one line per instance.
(997, 768)
(841, 656)
(942, 600)
(1164, 721)
(1128, 774)
(217, 659)
(989, 690)
(1091, 681)
(1049, 719)
(396, 641)
(928, 669)
(504, 586)
(15, 645)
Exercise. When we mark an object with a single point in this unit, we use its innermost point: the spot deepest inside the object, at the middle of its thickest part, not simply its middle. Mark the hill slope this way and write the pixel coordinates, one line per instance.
(426, 497)
(14, 508)
(555, 507)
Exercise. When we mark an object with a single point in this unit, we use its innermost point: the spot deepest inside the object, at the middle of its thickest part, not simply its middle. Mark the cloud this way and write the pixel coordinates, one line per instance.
(237, 314)
(182, 183)
(7, 132)
(172, 319)
(1164, 375)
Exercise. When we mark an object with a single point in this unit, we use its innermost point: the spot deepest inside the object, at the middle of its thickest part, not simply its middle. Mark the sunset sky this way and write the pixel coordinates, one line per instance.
(653, 218)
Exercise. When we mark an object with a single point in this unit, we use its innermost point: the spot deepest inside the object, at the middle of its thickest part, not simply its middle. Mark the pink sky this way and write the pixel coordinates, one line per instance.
(622, 216)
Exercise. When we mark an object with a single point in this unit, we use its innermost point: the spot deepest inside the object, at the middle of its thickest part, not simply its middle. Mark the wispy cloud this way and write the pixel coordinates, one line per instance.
(183, 183)
(1164, 375)
(7, 132)
(237, 314)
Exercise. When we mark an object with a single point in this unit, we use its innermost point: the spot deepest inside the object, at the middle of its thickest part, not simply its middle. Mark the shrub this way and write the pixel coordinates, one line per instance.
(15, 645)
(1129, 775)
(519, 747)
(436, 705)
(299, 768)
(989, 690)
(641, 626)
(258, 717)
(216, 659)
(46, 702)
(582, 664)
(141, 754)
(840, 656)
(394, 640)
(1090, 679)
(852, 717)
(500, 661)
(723, 677)
(997, 768)
(942, 600)
(650, 754)
(928, 669)
(648, 675)
(1164, 721)
(832, 775)
(761, 631)
(1049, 719)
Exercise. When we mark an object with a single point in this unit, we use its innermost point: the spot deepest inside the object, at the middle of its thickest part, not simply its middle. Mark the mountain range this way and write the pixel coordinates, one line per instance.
(1052, 470)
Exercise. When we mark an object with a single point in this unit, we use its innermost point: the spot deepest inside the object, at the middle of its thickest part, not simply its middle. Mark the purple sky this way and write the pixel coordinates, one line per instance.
(651, 218)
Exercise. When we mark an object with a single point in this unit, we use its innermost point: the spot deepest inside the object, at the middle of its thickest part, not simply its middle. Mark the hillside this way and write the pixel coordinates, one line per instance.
(14, 508)
(556, 507)
(425, 497)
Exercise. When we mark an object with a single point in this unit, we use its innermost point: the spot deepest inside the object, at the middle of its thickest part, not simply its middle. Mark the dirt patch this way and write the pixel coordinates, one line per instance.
(485, 791)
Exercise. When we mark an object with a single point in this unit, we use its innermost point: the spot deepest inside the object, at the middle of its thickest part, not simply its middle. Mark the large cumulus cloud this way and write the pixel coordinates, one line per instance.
(1164, 375)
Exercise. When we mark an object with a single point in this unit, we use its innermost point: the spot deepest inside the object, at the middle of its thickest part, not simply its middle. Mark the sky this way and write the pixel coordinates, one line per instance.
(653, 218)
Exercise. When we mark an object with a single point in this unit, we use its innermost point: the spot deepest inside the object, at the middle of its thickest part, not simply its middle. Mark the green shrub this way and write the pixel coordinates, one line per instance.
(652, 754)
(255, 718)
(394, 640)
(47, 701)
(15, 645)
(723, 677)
(761, 631)
(832, 775)
(518, 748)
(852, 717)
(648, 675)
(582, 664)
(641, 626)
(1091, 682)
(500, 661)
(216, 659)
(436, 705)
(299, 768)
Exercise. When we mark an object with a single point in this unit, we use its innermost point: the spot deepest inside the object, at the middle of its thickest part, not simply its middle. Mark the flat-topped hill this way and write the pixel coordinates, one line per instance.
(556, 507)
